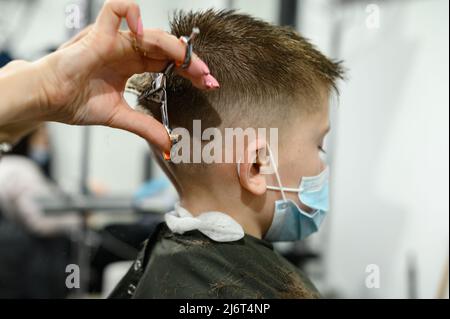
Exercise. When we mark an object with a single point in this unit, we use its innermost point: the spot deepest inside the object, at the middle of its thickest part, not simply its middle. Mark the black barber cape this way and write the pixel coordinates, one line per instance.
(192, 265)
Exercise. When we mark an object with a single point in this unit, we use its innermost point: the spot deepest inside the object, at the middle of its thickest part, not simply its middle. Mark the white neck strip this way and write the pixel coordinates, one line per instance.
(216, 225)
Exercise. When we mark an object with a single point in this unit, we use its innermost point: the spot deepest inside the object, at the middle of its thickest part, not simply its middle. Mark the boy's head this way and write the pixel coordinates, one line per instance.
(270, 77)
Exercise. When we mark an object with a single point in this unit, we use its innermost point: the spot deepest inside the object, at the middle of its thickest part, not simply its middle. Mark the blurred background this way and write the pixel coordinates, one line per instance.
(89, 196)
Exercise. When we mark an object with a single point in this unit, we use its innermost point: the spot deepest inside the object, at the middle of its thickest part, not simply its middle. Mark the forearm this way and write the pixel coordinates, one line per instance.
(21, 99)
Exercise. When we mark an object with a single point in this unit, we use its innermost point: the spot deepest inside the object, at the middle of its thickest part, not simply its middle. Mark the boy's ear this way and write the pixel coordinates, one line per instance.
(251, 168)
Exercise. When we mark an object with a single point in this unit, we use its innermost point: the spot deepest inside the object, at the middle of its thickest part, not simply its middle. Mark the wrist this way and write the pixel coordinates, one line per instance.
(46, 85)
(20, 106)
(57, 73)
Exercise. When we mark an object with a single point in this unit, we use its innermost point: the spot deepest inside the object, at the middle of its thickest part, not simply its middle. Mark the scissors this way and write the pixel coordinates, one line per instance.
(158, 92)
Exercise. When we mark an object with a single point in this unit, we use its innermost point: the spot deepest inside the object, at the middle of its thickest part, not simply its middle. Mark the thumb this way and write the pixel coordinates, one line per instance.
(141, 124)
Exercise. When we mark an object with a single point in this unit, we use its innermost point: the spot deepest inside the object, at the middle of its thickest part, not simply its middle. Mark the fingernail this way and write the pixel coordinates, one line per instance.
(166, 155)
(210, 82)
(203, 67)
(140, 27)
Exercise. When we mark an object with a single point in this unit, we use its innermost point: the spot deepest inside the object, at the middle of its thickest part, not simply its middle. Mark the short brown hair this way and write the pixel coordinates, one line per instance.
(262, 70)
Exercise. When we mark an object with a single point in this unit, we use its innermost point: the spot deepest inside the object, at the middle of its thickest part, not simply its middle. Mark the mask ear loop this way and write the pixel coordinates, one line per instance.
(272, 161)
(277, 174)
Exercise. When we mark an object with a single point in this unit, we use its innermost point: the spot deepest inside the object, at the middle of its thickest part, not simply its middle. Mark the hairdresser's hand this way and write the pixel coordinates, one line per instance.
(90, 71)
(82, 83)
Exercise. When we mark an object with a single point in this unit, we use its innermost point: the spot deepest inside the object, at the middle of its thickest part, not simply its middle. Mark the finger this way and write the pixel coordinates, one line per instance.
(112, 12)
(141, 124)
(77, 37)
(139, 65)
(207, 81)
(159, 44)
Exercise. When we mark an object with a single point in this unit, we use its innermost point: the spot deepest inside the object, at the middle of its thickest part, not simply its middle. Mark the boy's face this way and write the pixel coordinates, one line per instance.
(301, 154)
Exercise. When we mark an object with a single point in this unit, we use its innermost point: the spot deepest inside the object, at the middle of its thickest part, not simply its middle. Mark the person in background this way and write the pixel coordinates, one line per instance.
(25, 176)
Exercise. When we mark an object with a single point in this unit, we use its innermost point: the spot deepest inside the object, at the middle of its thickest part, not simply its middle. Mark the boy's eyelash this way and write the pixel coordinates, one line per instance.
(321, 149)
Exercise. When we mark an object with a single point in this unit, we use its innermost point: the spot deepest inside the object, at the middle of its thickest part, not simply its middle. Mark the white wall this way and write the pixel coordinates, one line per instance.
(390, 146)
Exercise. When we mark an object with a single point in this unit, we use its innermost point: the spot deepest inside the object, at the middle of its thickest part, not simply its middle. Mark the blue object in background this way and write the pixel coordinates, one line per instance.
(151, 187)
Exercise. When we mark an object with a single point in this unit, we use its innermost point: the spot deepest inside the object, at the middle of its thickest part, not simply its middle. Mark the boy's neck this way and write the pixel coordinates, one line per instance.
(246, 218)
